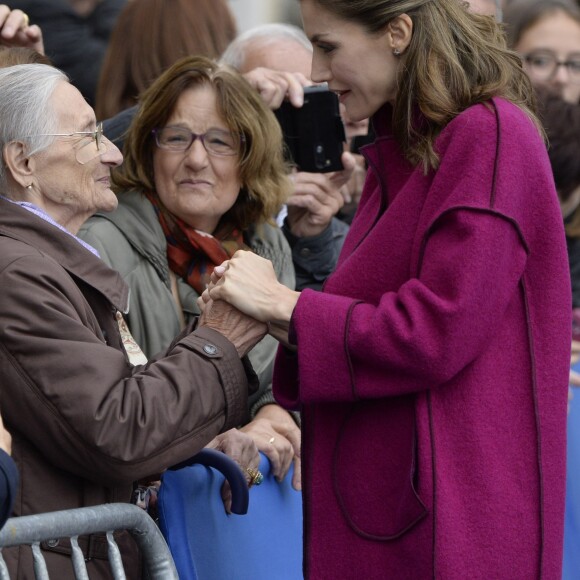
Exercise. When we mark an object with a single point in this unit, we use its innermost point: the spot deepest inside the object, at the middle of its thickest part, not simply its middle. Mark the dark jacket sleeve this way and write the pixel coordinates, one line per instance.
(8, 485)
(315, 257)
(72, 392)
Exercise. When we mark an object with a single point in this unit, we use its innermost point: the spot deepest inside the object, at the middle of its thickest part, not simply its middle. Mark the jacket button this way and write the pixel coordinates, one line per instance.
(210, 349)
(52, 543)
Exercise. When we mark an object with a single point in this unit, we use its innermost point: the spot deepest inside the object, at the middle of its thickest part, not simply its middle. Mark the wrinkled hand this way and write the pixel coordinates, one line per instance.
(242, 449)
(273, 86)
(278, 437)
(15, 30)
(5, 438)
(241, 330)
(317, 198)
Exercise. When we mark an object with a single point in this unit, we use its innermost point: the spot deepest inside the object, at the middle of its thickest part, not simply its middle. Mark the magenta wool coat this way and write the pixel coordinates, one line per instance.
(432, 370)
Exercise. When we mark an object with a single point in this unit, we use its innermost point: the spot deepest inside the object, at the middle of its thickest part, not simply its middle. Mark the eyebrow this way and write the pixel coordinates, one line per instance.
(317, 37)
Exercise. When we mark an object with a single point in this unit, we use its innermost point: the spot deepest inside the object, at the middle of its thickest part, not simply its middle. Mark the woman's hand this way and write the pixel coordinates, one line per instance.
(278, 437)
(248, 282)
(15, 30)
(242, 449)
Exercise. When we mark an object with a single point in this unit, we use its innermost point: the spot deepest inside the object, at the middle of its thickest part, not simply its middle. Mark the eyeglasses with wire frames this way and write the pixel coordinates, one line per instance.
(215, 141)
(542, 65)
(95, 146)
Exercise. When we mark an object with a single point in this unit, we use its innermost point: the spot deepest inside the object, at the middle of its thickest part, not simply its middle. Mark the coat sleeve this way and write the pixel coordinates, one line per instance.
(420, 336)
(85, 407)
(8, 485)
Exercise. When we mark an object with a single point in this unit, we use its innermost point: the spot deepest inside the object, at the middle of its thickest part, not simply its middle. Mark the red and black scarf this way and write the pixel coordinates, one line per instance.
(193, 254)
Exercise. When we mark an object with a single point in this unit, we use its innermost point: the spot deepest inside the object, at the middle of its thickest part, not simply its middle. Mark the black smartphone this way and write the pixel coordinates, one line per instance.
(314, 133)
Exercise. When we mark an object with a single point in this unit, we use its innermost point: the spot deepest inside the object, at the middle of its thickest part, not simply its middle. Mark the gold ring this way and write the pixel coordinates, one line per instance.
(256, 477)
(272, 439)
(26, 20)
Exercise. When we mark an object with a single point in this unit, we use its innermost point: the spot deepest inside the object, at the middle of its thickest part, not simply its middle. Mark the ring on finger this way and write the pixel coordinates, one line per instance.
(271, 441)
(256, 477)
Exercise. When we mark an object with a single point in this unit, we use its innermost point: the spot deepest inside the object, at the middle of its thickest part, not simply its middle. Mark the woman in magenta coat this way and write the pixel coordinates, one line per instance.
(432, 369)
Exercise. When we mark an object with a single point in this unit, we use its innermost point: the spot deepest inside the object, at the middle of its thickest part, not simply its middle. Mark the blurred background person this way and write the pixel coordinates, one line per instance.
(89, 416)
(202, 177)
(546, 33)
(150, 36)
(76, 35)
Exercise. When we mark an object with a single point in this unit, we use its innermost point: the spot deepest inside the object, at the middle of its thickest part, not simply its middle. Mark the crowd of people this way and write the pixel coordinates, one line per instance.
(400, 331)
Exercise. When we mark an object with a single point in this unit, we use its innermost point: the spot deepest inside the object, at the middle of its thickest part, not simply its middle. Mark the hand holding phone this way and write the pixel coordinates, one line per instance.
(314, 133)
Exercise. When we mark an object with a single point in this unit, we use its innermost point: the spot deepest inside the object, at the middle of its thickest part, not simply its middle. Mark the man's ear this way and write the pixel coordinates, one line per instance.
(19, 164)
(401, 32)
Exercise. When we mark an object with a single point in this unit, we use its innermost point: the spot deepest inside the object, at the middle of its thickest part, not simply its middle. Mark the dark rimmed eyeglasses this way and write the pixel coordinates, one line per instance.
(543, 65)
(215, 141)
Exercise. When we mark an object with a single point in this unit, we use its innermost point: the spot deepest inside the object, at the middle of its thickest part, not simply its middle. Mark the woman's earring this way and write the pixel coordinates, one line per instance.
(29, 186)
(396, 52)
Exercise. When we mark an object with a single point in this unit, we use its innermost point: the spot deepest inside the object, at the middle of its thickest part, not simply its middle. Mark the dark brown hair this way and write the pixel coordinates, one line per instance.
(149, 36)
(263, 172)
(455, 59)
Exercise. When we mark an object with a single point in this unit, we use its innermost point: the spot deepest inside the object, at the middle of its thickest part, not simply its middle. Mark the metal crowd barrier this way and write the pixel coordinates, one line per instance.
(31, 530)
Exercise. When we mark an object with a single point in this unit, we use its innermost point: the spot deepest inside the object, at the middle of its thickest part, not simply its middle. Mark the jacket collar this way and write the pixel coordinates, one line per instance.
(20, 224)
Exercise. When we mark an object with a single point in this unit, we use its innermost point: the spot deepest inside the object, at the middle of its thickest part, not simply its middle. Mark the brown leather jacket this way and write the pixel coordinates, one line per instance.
(86, 423)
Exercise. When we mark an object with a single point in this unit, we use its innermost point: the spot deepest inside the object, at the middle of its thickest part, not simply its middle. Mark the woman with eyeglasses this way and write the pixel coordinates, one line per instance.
(546, 33)
(88, 414)
(202, 177)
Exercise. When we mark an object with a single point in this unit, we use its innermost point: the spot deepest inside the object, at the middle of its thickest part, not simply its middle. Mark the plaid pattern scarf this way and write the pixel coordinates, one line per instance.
(193, 254)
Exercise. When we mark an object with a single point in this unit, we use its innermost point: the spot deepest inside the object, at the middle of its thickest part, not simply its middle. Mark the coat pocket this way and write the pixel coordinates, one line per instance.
(374, 469)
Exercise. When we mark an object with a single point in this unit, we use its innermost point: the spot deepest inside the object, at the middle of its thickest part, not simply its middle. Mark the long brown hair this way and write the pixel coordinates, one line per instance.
(149, 36)
(455, 59)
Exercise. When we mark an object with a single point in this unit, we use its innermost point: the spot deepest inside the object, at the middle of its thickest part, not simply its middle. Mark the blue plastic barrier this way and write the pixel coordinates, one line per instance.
(208, 544)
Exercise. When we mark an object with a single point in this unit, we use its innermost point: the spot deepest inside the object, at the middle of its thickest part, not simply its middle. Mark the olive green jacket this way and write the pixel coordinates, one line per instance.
(131, 241)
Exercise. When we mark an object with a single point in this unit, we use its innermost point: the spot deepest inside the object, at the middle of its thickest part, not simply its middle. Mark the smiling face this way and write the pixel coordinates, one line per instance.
(197, 187)
(556, 35)
(359, 66)
(68, 190)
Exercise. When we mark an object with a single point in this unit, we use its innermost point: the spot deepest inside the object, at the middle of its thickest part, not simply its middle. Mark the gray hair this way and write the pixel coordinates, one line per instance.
(26, 111)
(235, 53)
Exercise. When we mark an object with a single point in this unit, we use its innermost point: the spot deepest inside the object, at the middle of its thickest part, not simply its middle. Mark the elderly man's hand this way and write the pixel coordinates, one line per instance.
(241, 330)
(15, 30)
(316, 199)
(274, 86)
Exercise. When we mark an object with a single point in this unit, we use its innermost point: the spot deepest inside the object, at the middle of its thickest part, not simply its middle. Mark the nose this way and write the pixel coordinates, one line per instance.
(112, 156)
(196, 155)
(320, 72)
(561, 75)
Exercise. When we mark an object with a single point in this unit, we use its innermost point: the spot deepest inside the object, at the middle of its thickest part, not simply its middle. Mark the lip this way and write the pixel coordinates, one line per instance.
(195, 182)
(342, 95)
(105, 180)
